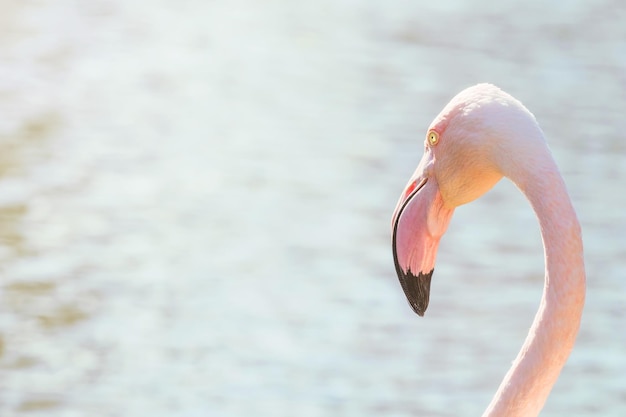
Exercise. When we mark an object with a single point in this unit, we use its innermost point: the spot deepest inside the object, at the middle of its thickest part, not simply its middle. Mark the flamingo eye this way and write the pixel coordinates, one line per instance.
(433, 138)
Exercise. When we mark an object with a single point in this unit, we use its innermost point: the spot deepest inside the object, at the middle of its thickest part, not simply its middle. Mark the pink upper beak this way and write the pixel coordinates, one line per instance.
(419, 221)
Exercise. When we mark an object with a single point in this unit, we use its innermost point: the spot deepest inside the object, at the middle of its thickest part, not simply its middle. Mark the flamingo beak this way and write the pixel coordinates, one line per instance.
(419, 221)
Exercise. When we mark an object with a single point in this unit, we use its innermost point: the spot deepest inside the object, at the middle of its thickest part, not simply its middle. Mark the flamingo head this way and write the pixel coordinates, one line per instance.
(469, 146)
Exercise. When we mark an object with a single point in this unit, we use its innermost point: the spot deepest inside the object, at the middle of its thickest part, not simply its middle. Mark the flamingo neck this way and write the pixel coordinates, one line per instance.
(526, 386)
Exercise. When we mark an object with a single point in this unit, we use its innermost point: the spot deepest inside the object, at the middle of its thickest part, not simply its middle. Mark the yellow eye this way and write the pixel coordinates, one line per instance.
(433, 137)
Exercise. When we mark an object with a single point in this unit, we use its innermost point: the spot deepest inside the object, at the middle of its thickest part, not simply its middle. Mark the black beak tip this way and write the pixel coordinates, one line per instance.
(416, 289)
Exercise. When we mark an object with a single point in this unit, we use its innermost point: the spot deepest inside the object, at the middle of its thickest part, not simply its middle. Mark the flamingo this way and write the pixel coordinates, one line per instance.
(482, 135)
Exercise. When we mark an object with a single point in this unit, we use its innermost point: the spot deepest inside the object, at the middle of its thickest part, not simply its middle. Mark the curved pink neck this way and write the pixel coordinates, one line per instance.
(526, 386)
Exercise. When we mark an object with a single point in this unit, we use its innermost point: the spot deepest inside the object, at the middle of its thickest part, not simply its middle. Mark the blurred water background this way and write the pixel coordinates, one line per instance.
(195, 201)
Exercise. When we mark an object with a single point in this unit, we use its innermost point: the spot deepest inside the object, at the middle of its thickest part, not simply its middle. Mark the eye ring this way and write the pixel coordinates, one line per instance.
(433, 138)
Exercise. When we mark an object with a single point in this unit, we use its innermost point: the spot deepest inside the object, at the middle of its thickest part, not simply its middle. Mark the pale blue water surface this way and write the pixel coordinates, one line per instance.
(195, 200)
